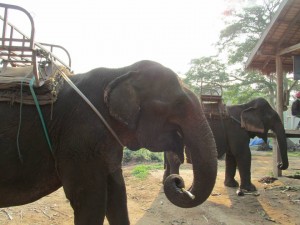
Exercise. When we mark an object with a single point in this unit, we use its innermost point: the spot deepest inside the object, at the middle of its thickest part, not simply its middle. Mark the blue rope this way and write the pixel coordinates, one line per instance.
(40, 114)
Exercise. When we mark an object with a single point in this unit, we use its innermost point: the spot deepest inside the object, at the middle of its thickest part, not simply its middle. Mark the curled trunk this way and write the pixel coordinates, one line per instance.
(279, 131)
(199, 140)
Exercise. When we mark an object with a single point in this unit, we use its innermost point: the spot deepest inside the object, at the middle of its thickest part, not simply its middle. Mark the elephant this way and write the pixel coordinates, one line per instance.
(232, 134)
(144, 104)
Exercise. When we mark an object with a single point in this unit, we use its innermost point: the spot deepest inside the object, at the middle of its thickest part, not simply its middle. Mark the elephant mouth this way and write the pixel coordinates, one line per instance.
(171, 140)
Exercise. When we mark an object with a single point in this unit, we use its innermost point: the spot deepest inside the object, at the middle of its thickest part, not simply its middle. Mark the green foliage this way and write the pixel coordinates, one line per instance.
(249, 85)
(142, 155)
(226, 71)
(205, 74)
(208, 75)
(142, 171)
(244, 28)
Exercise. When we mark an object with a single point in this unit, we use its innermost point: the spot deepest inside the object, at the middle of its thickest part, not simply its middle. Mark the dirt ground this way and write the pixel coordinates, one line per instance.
(277, 203)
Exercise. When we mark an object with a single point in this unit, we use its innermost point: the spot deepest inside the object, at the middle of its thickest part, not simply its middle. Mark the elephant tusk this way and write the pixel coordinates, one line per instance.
(188, 193)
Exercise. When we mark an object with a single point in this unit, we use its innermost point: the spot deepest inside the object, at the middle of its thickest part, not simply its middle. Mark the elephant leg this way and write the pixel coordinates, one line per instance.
(230, 170)
(244, 166)
(88, 205)
(86, 188)
(89, 209)
(117, 213)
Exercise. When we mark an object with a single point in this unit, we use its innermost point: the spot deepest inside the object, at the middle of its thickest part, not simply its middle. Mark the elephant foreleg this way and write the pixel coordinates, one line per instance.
(117, 213)
(89, 208)
(230, 170)
(86, 189)
(244, 166)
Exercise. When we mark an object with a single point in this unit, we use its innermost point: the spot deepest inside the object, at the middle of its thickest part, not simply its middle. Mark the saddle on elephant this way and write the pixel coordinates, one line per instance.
(25, 61)
(15, 81)
(213, 107)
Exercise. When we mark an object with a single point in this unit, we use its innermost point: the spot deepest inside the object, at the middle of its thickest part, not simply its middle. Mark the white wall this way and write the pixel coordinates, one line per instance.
(290, 123)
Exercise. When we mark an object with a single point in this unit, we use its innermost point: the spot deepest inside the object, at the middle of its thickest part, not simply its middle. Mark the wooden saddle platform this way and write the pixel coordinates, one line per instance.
(213, 107)
(26, 61)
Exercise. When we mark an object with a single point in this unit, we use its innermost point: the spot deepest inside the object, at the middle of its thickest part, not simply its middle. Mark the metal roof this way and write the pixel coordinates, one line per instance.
(281, 37)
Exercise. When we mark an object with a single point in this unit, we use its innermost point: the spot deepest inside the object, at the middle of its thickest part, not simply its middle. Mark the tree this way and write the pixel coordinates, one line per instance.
(243, 29)
(205, 74)
(208, 75)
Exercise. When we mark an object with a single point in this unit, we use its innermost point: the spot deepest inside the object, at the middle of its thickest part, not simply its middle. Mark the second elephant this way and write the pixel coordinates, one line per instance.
(232, 134)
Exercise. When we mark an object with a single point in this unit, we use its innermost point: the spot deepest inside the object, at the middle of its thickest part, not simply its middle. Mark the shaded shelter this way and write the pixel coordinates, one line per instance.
(277, 51)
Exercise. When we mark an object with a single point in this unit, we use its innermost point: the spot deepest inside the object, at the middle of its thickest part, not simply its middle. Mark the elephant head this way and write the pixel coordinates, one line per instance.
(259, 117)
(162, 115)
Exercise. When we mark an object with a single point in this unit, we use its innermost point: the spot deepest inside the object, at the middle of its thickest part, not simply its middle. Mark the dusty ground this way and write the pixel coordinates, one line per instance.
(278, 203)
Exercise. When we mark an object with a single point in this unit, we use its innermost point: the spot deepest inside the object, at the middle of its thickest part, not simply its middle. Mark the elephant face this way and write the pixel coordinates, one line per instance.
(138, 101)
(165, 116)
(258, 117)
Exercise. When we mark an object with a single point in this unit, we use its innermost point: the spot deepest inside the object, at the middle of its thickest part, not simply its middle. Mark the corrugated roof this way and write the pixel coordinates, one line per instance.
(281, 37)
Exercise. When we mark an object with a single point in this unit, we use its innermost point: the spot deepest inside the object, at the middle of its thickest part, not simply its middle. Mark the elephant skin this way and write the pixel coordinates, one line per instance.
(232, 135)
(145, 104)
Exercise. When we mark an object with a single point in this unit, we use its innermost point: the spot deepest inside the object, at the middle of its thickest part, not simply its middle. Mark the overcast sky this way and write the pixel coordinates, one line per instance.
(115, 33)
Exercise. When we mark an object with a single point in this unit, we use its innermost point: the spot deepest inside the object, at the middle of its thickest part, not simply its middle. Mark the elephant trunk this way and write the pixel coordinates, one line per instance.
(199, 140)
(279, 131)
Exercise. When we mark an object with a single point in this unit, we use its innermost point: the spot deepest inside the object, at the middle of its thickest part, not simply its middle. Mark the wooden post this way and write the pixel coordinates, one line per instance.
(279, 107)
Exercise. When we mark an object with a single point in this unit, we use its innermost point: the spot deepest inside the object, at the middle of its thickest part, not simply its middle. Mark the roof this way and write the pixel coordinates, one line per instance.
(281, 37)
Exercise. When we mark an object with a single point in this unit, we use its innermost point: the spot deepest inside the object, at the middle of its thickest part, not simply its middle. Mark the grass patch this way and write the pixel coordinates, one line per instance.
(142, 155)
(142, 171)
(293, 154)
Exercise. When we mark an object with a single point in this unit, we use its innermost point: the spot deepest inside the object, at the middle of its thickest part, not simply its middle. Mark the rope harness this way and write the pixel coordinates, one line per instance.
(92, 106)
(40, 114)
(36, 102)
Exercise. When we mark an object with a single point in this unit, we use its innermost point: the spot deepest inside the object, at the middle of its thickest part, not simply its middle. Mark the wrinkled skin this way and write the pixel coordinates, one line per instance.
(145, 104)
(232, 136)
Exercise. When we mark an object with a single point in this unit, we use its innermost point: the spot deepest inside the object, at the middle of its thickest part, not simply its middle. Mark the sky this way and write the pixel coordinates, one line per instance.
(116, 33)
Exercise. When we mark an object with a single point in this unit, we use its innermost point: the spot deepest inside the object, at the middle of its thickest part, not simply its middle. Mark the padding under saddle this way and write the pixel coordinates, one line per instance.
(14, 84)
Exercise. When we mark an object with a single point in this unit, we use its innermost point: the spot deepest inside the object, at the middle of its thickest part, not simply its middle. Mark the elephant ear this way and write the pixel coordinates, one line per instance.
(251, 120)
(122, 99)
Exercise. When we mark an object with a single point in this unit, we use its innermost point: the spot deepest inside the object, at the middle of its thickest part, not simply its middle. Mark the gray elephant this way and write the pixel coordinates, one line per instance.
(145, 105)
(232, 128)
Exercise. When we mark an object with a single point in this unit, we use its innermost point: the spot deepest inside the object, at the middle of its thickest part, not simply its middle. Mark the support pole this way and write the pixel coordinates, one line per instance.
(279, 108)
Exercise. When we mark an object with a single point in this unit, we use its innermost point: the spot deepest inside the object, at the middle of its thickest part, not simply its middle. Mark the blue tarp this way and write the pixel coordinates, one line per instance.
(256, 141)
